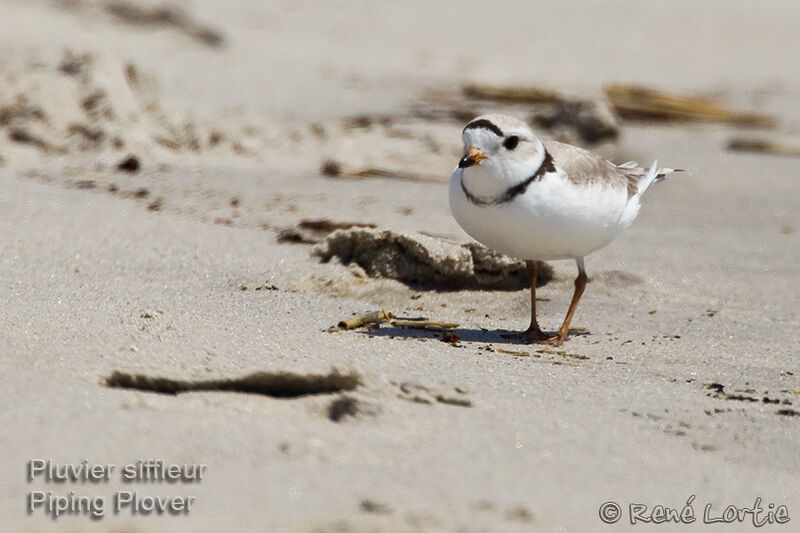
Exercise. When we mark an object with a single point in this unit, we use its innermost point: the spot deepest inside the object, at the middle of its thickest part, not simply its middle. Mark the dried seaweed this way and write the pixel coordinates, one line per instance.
(643, 103)
(789, 146)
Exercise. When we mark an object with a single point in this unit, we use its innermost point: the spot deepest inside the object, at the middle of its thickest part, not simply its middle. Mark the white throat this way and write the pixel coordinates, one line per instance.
(493, 176)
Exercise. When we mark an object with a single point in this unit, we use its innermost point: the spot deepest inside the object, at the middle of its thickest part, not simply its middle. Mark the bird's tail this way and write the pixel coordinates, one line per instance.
(653, 175)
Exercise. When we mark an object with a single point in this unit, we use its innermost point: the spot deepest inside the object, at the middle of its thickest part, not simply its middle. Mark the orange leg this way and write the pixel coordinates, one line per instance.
(580, 285)
(534, 333)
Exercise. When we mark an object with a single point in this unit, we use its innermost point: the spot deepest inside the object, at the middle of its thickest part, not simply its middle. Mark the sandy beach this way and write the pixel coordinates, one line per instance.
(170, 178)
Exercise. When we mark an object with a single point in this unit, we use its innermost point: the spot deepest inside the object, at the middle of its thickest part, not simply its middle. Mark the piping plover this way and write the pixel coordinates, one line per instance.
(542, 200)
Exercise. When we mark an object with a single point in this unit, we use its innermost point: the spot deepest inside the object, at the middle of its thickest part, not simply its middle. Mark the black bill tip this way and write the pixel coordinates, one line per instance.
(467, 161)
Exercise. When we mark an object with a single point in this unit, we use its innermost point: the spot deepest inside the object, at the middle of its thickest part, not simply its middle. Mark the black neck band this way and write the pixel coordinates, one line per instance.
(515, 190)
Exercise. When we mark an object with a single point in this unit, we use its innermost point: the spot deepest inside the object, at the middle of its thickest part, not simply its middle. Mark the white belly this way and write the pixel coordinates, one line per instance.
(553, 219)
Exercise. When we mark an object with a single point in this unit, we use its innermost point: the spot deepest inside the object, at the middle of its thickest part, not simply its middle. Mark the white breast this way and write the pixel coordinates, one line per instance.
(553, 219)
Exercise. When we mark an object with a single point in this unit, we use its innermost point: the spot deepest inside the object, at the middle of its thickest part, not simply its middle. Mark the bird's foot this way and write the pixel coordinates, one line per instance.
(555, 340)
(534, 336)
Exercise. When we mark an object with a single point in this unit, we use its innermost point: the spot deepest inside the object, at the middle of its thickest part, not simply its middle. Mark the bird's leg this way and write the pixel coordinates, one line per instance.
(534, 333)
(580, 285)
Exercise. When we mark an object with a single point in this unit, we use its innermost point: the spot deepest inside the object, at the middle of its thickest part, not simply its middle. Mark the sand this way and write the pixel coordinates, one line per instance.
(681, 380)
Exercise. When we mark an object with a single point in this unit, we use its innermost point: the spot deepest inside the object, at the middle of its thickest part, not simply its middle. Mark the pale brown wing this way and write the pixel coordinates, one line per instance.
(585, 167)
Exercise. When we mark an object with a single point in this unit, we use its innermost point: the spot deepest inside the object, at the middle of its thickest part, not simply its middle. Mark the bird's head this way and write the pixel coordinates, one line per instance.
(499, 152)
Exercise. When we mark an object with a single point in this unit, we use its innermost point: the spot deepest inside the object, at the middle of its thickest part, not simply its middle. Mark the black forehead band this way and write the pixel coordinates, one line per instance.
(485, 124)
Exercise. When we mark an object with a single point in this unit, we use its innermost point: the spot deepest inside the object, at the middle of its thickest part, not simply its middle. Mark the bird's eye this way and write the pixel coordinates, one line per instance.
(511, 142)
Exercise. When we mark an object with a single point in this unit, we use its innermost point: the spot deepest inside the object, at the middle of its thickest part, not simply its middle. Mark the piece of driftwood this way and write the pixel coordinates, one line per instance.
(776, 146)
(636, 102)
(517, 94)
(374, 317)
(424, 324)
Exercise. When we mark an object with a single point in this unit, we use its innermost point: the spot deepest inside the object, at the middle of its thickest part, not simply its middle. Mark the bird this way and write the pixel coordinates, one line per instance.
(542, 200)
